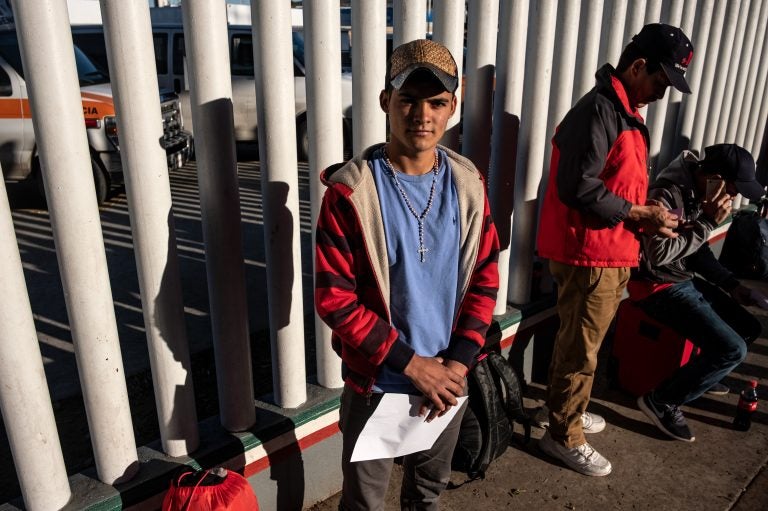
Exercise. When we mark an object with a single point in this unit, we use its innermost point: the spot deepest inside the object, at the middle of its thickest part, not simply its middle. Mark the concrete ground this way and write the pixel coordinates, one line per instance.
(723, 469)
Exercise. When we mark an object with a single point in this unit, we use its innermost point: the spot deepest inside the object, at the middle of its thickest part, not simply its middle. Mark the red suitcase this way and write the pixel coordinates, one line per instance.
(647, 352)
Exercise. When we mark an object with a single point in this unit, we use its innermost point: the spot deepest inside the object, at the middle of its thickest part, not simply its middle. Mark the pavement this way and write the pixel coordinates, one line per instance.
(723, 469)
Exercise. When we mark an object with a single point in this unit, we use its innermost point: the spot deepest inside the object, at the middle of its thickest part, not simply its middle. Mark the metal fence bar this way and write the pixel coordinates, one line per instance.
(130, 53)
(210, 87)
(724, 56)
(724, 86)
(563, 70)
(751, 134)
(635, 21)
(507, 109)
(695, 77)
(369, 61)
(326, 139)
(666, 145)
(657, 111)
(54, 93)
(744, 69)
(410, 21)
(586, 57)
(273, 63)
(751, 82)
(482, 28)
(614, 36)
(449, 31)
(25, 402)
(704, 94)
(748, 13)
(530, 152)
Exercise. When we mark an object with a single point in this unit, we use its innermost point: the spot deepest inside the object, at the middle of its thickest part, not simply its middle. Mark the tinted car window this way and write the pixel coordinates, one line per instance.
(97, 48)
(241, 55)
(178, 54)
(160, 41)
(87, 72)
(6, 89)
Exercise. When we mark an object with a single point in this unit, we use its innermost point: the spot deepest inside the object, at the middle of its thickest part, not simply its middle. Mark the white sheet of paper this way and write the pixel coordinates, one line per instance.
(395, 428)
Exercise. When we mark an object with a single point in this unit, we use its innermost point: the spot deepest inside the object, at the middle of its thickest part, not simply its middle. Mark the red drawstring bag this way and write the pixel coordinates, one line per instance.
(217, 489)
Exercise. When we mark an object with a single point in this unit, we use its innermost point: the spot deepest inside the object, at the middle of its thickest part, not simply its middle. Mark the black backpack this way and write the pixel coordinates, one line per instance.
(495, 404)
(745, 249)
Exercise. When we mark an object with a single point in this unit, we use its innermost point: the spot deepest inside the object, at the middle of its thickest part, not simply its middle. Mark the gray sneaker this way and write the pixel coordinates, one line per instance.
(584, 459)
(590, 422)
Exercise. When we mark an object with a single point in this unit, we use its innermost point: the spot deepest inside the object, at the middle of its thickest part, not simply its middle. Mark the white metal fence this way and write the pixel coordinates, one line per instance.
(520, 80)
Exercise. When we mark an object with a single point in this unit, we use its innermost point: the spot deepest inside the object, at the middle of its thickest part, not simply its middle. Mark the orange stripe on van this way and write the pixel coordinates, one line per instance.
(10, 108)
(95, 106)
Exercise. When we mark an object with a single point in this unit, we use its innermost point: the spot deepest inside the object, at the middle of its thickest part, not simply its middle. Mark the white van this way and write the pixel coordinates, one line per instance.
(18, 148)
(168, 37)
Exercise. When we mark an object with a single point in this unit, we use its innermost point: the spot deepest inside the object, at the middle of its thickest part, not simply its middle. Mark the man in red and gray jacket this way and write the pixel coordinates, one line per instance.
(406, 274)
(594, 206)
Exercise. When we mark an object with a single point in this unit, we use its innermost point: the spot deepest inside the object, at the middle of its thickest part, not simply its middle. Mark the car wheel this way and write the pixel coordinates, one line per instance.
(100, 180)
(302, 139)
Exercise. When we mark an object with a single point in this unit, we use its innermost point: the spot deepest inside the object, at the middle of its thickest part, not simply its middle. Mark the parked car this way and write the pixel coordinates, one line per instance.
(168, 38)
(18, 147)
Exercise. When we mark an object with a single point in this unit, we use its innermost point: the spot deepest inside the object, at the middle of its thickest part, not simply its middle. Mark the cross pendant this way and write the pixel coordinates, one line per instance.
(422, 251)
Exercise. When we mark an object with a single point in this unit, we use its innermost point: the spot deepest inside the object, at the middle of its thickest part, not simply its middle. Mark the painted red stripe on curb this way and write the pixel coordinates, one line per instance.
(292, 449)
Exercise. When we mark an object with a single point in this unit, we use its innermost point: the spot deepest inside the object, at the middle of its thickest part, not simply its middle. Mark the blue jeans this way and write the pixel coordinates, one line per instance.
(712, 321)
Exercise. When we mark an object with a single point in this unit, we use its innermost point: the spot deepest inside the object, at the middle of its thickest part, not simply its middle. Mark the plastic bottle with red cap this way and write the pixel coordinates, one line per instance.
(746, 407)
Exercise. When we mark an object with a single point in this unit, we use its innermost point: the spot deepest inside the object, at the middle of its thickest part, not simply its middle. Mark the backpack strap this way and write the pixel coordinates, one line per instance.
(481, 374)
(513, 395)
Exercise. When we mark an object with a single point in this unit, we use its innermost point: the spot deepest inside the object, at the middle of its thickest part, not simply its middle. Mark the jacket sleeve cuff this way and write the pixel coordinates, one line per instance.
(620, 215)
(462, 350)
(400, 354)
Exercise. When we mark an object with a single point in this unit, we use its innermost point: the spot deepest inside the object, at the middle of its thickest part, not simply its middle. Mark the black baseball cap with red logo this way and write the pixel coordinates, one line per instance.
(670, 47)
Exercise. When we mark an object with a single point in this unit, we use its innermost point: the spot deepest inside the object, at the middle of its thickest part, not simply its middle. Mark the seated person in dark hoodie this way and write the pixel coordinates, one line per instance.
(699, 307)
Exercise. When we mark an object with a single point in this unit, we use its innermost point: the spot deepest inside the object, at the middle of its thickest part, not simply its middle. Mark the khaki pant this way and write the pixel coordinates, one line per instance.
(587, 299)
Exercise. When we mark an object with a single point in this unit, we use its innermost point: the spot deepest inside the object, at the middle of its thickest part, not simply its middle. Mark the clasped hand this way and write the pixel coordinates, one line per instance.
(655, 218)
(441, 382)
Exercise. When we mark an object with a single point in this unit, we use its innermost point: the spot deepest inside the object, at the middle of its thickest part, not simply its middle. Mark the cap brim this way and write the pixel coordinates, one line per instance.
(449, 82)
(752, 190)
(676, 78)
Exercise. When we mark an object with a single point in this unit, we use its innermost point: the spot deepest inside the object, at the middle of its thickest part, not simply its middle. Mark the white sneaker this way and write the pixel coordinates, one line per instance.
(584, 459)
(590, 422)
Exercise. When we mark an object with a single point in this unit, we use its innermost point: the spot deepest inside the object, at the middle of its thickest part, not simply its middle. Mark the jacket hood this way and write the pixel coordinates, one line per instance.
(680, 171)
(351, 173)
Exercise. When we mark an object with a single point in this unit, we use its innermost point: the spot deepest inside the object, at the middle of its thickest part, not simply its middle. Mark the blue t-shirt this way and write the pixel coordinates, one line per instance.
(423, 295)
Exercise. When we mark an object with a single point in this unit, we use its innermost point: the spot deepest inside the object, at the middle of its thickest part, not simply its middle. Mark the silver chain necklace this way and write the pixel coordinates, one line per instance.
(419, 217)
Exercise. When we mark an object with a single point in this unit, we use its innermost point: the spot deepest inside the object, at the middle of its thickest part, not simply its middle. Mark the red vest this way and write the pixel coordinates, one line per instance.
(578, 238)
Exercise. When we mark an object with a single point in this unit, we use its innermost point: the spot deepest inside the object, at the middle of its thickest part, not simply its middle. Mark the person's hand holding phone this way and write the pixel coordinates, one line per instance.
(717, 203)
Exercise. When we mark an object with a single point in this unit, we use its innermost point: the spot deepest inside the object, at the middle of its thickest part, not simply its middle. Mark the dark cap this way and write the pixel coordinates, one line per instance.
(670, 47)
(423, 54)
(735, 164)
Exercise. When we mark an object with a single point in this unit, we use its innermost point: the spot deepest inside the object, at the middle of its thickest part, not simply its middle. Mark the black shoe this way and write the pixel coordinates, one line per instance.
(667, 418)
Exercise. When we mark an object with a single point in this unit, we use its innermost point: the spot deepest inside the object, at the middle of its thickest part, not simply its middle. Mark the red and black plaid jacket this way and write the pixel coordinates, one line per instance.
(352, 270)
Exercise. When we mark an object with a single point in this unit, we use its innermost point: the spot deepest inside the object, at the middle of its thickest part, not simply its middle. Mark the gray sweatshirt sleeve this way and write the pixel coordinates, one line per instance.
(692, 236)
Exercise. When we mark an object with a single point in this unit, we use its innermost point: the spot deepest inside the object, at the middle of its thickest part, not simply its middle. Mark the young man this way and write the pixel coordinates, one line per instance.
(666, 289)
(406, 273)
(593, 208)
